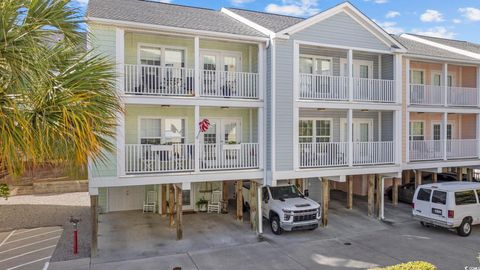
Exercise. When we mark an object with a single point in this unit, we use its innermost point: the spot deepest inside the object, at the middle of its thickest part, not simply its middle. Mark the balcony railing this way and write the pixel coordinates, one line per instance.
(326, 87)
(435, 149)
(229, 156)
(462, 96)
(332, 154)
(370, 153)
(162, 81)
(323, 87)
(229, 84)
(373, 90)
(169, 81)
(462, 149)
(325, 154)
(146, 158)
(421, 94)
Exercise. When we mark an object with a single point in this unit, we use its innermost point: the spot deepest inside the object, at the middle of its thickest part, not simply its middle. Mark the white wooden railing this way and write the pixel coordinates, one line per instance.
(462, 149)
(373, 90)
(156, 80)
(146, 158)
(325, 154)
(421, 94)
(228, 84)
(323, 87)
(229, 156)
(368, 153)
(462, 96)
(426, 150)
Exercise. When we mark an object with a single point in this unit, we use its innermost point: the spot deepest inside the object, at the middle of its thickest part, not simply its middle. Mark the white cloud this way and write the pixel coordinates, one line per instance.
(392, 14)
(294, 7)
(438, 31)
(240, 2)
(431, 15)
(473, 14)
(390, 27)
(377, 1)
(457, 21)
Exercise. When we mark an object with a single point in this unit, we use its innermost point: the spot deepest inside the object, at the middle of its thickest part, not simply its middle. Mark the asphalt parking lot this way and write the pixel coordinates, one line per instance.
(28, 249)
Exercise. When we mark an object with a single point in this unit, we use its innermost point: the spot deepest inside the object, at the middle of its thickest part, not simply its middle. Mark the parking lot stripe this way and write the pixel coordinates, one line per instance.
(33, 243)
(27, 231)
(27, 263)
(26, 253)
(16, 240)
(6, 238)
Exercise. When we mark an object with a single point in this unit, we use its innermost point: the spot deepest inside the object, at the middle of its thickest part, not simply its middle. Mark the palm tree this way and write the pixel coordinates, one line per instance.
(58, 102)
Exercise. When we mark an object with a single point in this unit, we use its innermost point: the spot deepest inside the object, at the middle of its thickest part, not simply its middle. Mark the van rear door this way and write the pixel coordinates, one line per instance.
(439, 209)
(422, 202)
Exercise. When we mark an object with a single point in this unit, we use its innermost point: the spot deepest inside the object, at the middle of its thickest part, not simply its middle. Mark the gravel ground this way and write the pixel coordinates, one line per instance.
(33, 211)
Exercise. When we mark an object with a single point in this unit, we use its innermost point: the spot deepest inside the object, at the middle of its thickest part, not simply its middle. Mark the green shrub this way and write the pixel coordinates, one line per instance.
(418, 265)
(4, 191)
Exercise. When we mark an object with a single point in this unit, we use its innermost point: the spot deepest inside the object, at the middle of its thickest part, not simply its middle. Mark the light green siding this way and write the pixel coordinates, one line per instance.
(102, 40)
(249, 52)
(135, 112)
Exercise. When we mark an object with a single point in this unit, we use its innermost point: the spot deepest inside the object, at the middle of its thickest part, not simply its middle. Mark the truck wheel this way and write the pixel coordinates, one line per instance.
(275, 225)
(465, 228)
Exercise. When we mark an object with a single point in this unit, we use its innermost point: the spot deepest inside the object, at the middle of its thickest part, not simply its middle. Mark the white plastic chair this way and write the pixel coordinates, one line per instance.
(215, 204)
(151, 203)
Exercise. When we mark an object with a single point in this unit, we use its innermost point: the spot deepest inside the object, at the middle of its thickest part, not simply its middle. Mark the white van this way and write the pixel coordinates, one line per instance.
(448, 204)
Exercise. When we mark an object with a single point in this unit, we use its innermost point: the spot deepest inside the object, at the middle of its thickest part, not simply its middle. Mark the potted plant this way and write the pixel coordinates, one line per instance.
(202, 205)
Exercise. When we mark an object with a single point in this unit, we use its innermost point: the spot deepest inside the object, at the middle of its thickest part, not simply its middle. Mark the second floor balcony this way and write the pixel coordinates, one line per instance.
(181, 66)
(324, 74)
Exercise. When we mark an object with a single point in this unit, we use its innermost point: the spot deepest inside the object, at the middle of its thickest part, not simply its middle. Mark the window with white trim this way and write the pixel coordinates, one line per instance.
(315, 131)
(417, 131)
(416, 77)
(162, 131)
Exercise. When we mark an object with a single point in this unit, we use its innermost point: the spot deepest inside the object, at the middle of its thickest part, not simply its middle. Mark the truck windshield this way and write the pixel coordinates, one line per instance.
(285, 192)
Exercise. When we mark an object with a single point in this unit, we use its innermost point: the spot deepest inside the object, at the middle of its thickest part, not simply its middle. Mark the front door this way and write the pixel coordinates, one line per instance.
(219, 72)
(362, 132)
(223, 133)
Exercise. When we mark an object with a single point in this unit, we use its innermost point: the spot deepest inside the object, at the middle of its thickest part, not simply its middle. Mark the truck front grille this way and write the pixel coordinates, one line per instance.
(304, 218)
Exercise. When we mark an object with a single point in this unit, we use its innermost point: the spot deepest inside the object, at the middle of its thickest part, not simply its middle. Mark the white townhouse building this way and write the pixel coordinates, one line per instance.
(327, 102)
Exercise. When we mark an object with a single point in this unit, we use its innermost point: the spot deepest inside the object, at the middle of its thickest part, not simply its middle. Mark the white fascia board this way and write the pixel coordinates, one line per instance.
(439, 109)
(248, 22)
(192, 32)
(418, 165)
(442, 46)
(433, 59)
(188, 101)
(352, 11)
(314, 104)
(333, 172)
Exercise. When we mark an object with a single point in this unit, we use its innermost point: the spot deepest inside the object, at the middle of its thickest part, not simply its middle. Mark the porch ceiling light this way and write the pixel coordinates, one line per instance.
(364, 110)
(321, 109)
(224, 107)
(165, 106)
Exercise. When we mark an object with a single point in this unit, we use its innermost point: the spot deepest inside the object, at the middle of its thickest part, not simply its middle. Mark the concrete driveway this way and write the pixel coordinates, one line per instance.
(27, 249)
(351, 241)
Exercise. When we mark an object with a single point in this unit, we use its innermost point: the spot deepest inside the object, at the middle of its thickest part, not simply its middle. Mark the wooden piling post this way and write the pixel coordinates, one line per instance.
(379, 194)
(435, 177)
(239, 196)
(460, 173)
(350, 192)
(164, 200)
(94, 217)
(395, 191)
(224, 197)
(469, 175)
(171, 204)
(253, 205)
(418, 178)
(370, 194)
(325, 201)
(179, 213)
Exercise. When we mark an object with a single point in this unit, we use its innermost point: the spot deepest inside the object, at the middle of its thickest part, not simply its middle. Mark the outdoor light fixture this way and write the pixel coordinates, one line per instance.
(321, 109)
(364, 110)
(224, 107)
(165, 106)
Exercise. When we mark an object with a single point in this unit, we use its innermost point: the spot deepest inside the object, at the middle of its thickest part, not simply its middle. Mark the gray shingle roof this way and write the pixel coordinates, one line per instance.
(273, 22)
(459, 44)
(417, 48)
(150, 12)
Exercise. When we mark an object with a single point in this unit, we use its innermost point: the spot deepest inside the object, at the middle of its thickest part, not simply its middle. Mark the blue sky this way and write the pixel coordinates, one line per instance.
(458, 19)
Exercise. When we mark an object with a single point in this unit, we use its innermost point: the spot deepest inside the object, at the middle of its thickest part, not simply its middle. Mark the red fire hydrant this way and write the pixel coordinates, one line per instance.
(75, 222)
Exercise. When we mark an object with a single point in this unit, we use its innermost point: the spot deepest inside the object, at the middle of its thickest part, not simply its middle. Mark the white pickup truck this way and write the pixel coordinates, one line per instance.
(286, 208)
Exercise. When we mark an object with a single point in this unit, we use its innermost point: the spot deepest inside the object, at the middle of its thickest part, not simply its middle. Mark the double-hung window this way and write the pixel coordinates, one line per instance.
(162, 131)
(311, 131)
(417, 131)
